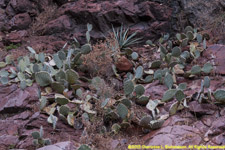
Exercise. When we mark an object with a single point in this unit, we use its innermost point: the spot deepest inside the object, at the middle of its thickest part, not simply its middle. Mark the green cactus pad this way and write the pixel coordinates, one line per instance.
(57, 60)
(145, 121)
(173, 108)
(199, 38)
(179, 95)
(163, 50)
(156, 124)
(4, 80)
(64, 110)
(190, 35)
(134, 56)
(85, 49)
(182, 86)
(139, 72)
(84, 147)
(43, 78)
(122, 111)
(176, 51)
(2, 64)
(58, 87)
(62, 55)
(61, 99)
(168, 95)
(207, 68)
(219, 95)
(155, 64)
(206, 82)
(36, 135)
(188, 29)
(139, 90)
(143, 100)
(126, 102)
(184, 42)
(168, 81)
(128, 87)
(71, 76)
(178, 36)
(196, 70)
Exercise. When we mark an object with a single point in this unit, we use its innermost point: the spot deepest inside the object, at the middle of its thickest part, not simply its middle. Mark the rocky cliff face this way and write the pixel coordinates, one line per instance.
(49, 24)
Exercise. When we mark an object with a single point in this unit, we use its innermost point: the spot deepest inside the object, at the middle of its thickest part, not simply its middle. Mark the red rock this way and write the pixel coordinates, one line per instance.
(13, 98)
(19, 6)
(20, 22)
(206, 109)
(138, 15)
(124, 64)
(155, 90)
(61, 24)
(178, 135)
(60, 146)
(7, 140)
(216, 53)
(15, 37)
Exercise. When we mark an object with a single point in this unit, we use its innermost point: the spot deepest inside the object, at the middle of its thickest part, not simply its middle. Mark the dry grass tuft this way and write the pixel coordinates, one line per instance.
(43, 18)
(99, 61)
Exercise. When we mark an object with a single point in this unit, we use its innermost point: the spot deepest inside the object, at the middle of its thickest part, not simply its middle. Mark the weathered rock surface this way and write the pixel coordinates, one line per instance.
(150, 19)
(175, 135)
(216, 54)
(13, 98)
(124, 64)
(20, 22)
(60, 146)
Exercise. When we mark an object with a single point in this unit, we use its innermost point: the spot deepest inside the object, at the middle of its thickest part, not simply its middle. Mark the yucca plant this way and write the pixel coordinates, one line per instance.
(123, 39)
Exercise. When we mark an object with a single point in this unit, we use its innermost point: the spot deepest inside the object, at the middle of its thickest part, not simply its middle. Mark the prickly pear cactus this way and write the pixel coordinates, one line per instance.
(43, 78)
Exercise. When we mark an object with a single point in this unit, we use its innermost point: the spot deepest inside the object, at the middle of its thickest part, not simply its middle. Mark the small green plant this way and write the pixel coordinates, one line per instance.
(219, 95)
(123, 39)
(84, 147)
(12, 46)
(38, 139)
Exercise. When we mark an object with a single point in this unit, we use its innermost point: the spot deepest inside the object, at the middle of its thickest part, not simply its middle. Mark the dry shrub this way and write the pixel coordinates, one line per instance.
(99, 61)
(43, 18)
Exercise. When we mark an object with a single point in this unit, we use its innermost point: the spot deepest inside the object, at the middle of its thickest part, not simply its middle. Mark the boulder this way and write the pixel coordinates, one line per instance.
(20, 22)
(19, 6)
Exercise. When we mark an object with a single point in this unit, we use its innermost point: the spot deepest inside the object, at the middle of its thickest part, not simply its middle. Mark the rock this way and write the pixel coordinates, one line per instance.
(196, 8)
(202, 109)
(219, 140)
(3, 3)
(3, 19)
(138, 15)
(60, 146)
(19, 6)
(2, 54)
(13, 99)
(200, 126)
(124, 64)
(61, 24)
(20, 22)
(15, 37)
(216, 54)
(8, 140)
(176, 135)
(218, 127)
(155, 90)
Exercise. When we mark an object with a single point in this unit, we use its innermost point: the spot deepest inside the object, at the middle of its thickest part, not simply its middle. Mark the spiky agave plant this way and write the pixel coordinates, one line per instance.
(123, 39)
